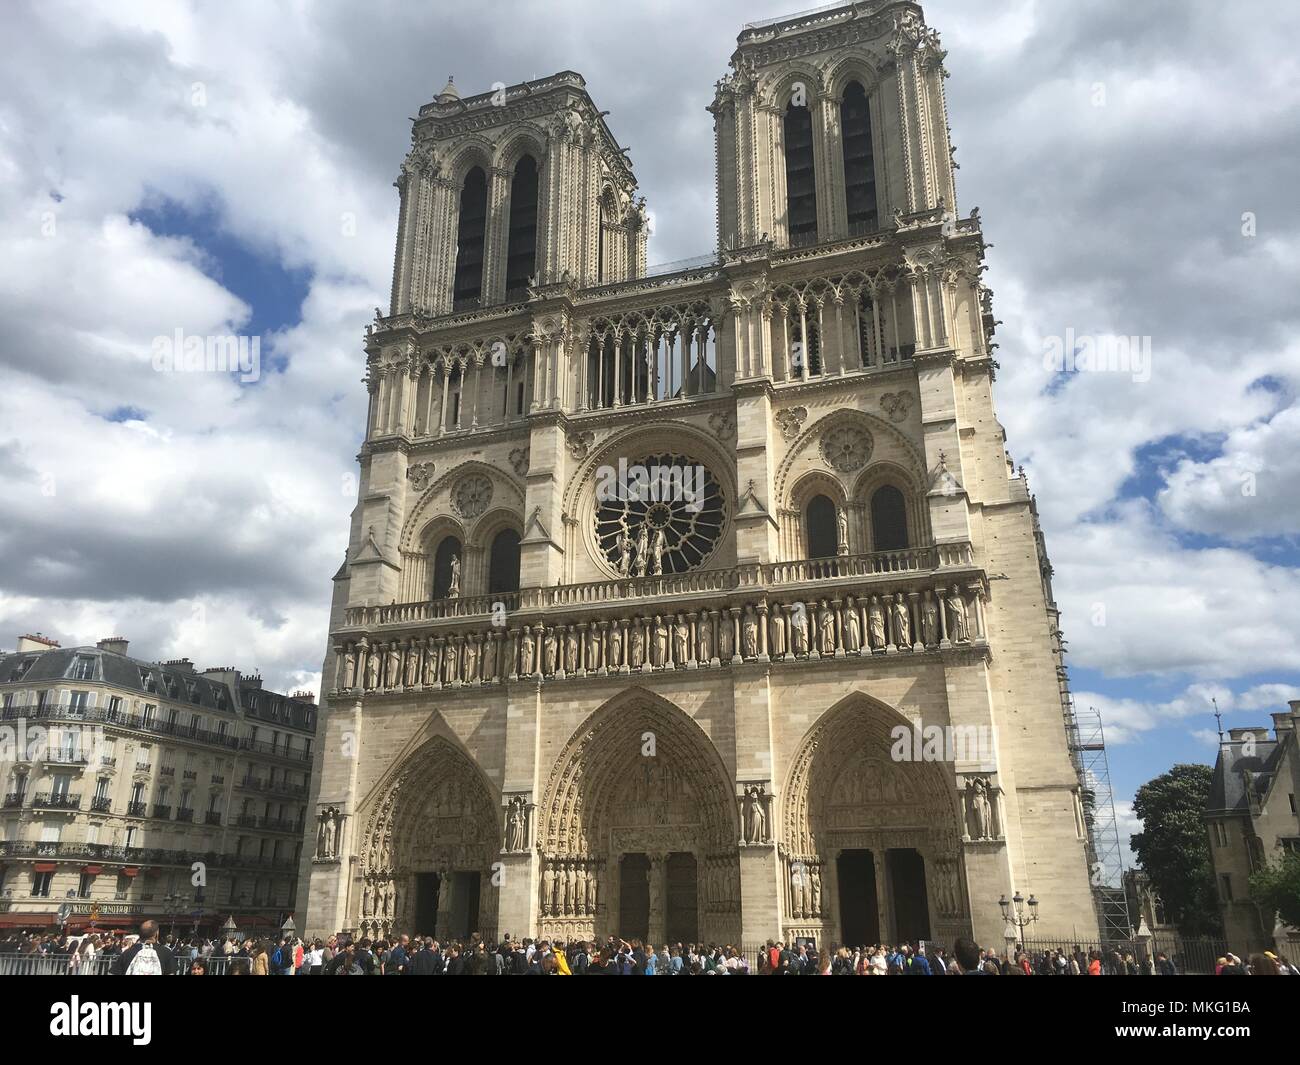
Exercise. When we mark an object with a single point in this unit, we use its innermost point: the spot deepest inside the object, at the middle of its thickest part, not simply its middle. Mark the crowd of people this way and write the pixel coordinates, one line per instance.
(149, 953)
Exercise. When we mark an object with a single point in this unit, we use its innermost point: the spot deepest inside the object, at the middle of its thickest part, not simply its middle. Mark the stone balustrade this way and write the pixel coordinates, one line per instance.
(835, 570)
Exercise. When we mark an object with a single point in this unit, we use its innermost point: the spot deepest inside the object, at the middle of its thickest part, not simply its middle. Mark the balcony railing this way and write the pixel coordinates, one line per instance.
(101, 804)
(56, 801)
(13, 800)
(136, 809)
(138, 856)
(162, 812)
(212, 817)
(836, 569)
(184, 815)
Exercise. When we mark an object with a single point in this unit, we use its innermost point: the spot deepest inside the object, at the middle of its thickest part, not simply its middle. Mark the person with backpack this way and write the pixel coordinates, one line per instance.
(147, 957)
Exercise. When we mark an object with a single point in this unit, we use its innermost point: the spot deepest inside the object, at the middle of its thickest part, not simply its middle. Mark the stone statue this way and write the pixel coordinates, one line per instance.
(571, 649)
(321, 820)
(642, 550)
(749, 634)
(726, 637)
(349, 671)
(876, 624)
(958, 630)
(615, 656)
(637, 643)
(624, 543)
(593, 646)
(453, 587)
(755, 814)
(902, 621)
(412, 667)
(799, 629)
(980, 812)
(526, 652)
(471, 660)
(372, 670)
(815, 878)
(852, 626)
(450, 663)
(657, 548)
(659, 649)
(826, 623)
(681, 641)
(367, 900)
(704, 641)
(776, 634)
(550, 652)
(842, 528)
(430, 663)
(930, 620)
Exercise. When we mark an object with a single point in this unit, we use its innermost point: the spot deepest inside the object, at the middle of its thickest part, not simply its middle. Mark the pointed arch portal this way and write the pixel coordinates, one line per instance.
(430, 842)
(870, 846)
(639, 830)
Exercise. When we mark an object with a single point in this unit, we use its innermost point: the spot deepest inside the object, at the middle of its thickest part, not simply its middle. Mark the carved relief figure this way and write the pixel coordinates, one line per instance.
(749, 633)
(681, 641)
(638, 644)
(659, 648)
(799, 629)
(412, 666)
(550, 652)
(526, 652)
(615, 656)
(776, 645)
(593, 646)
(571, 649)
(471, 660)
(642, 550)
(704, 642)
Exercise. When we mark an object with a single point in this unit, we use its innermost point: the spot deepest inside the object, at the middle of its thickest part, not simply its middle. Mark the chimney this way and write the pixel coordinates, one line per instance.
(181, 665)
(114, 644)
(1257, 733)
(37, 642)
(1282, 724)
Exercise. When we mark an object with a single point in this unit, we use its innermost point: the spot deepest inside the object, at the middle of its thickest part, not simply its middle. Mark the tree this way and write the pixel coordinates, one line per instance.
(1276, 888)
(1173, 848)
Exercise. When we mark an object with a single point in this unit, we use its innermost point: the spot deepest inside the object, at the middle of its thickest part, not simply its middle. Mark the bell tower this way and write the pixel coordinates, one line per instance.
(826, 131)
(521, 185)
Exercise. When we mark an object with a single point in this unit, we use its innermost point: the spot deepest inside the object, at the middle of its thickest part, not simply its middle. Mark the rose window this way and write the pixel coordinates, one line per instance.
(472, 496)
(846, 448)
(656, 515)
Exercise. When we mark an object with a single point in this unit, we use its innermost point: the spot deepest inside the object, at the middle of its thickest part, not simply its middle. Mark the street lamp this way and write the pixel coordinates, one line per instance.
(288, 928)
(230, 930)
(1019, 912)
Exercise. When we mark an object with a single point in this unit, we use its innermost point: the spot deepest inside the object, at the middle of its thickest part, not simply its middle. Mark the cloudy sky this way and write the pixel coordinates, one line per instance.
(228, 169)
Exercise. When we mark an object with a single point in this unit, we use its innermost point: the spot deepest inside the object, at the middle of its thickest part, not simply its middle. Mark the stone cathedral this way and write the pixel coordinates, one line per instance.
(699, 603)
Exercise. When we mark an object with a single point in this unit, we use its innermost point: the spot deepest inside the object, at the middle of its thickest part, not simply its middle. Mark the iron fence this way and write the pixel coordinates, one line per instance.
(39, 964)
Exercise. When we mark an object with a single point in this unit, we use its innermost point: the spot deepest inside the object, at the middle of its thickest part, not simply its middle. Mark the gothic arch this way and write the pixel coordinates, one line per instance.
(866, 69)
(845, 791)
(776, 93)
(474, 150)
(879, 474)
(606, 796)
(433, 812)
(524, 140)
(424, 515)
(883, 437)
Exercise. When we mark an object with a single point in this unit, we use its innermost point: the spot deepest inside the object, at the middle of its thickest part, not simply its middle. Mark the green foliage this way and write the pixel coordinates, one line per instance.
(1173, 848)
(1276, 888)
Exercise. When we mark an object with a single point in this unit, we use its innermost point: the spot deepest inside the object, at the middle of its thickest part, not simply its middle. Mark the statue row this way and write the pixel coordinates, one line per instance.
(805, 888)
(877, 624)
(570, 887)
(379, 898)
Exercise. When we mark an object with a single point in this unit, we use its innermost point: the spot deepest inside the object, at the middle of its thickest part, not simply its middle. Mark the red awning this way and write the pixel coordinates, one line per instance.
(27, 920)
(44, 867)
(131, 870)
(92, 870)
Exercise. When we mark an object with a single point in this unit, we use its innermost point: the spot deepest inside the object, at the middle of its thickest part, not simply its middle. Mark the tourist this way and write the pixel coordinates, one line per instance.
(147, 957)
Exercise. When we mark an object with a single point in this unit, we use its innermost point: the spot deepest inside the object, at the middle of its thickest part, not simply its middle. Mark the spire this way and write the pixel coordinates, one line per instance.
(449, 93)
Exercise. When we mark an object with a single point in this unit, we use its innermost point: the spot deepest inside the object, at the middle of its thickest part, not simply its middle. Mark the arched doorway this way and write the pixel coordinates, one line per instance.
(639, 830)
(870, 845)
(447, 560)
(431, 837)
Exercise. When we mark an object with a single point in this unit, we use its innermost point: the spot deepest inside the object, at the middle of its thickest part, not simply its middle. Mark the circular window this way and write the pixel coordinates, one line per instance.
(660, 514)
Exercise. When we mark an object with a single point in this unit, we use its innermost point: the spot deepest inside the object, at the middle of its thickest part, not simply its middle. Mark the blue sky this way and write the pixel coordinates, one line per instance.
(229, 168)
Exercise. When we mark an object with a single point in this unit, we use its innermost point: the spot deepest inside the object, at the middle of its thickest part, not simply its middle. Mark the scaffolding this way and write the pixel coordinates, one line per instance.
(1087, 741)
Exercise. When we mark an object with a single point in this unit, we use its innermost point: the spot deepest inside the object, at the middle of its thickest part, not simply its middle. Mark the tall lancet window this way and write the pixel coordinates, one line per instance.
(521, 248)
(472, 226)
(859, 165)
(800, 178)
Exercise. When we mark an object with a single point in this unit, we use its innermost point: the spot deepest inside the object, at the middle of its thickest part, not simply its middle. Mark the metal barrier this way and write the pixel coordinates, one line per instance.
(98, 965)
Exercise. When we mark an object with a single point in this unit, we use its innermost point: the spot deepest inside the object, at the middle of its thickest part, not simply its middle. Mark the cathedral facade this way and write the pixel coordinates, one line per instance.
(699, 604)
